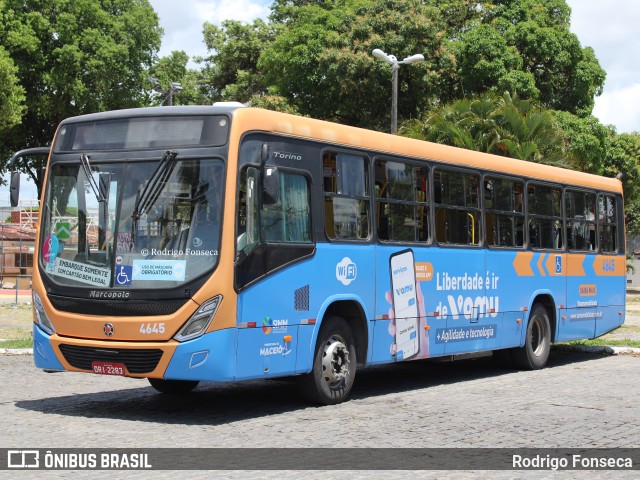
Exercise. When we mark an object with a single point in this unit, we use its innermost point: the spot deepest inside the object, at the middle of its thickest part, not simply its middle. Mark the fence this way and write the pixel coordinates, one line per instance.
(18, 295)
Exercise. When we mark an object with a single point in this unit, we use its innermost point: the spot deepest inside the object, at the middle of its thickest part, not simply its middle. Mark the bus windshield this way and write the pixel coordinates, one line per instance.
(132, 225)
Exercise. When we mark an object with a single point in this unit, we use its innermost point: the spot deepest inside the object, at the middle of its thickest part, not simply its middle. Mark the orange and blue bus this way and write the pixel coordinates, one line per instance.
(220, 243)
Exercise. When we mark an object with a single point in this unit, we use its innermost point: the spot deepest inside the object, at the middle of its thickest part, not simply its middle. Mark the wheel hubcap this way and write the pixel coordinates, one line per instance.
(335, 360)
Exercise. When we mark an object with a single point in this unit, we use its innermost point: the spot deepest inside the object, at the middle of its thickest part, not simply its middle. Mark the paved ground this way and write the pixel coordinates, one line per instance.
(580, 400)
(461, 404)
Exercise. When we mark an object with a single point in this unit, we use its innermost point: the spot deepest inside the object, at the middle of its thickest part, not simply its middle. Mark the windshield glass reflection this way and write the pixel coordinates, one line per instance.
(95, 232)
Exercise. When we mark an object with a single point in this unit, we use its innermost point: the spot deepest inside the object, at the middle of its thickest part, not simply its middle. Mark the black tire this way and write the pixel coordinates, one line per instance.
(334, 365)
(173, 386)
(537, 345)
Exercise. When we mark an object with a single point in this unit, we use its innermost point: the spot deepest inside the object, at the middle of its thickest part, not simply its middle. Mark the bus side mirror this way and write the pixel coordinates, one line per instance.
(14, 190)
(270, 185)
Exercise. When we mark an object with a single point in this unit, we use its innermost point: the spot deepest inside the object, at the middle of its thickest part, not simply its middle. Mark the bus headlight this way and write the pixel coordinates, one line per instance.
(199, 321)
(43, 319)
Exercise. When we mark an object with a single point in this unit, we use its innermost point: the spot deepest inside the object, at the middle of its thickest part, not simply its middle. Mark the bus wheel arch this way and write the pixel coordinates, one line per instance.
(353, 313)
(549, 304)
(533, 355)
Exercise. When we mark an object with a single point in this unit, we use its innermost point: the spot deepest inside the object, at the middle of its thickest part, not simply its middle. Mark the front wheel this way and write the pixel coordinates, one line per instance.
(173, 386)
(334, 365)
(535, 352)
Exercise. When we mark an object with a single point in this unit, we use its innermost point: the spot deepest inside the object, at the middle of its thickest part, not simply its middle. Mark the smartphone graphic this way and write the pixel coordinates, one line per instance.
(405, 303)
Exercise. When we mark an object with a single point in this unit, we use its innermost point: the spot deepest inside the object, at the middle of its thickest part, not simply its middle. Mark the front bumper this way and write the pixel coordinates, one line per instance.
(210, 357)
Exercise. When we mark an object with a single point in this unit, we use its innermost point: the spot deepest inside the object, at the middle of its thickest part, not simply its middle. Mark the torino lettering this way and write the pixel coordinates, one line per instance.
(287, 156)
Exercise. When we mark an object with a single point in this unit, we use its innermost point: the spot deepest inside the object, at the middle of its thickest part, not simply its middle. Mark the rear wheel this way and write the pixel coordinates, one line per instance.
(173, 386)
(535, 352)
(334, 365)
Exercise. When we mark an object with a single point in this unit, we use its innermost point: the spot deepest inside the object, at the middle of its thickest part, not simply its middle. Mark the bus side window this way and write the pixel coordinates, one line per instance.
(545, 217)
(607, 223)
(402, 209)
(288, 220)
(346, 196)
(504, 219)
(581, 222)
(458, 209)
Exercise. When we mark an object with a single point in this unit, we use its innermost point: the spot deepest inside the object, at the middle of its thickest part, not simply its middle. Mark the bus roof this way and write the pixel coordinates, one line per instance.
(248, 119)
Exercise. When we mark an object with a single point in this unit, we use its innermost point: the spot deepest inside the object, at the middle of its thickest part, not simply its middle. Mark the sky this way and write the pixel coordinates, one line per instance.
(609, 27)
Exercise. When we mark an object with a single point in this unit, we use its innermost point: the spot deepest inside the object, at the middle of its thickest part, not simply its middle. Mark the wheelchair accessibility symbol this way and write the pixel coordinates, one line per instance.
(123, 275)
(558, 265)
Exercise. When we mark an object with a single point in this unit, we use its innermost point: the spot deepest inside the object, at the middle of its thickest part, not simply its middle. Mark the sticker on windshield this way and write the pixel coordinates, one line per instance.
(123, 275)
(80, 272)
(50, 248)
(63, 230)
(172, 270)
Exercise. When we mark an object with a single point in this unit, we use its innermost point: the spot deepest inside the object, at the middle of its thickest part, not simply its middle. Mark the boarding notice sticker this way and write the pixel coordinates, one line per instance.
(154, 270)
(80, 272)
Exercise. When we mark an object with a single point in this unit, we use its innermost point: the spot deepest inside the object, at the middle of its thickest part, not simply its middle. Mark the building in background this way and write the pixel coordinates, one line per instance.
(17, 242)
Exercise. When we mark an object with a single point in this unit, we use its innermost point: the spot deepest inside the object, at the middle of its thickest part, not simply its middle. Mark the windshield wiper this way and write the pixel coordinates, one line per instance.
(84, 159)
(156, 182)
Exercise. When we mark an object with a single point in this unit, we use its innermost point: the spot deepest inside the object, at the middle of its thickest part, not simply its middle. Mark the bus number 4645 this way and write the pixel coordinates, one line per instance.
(149, 328)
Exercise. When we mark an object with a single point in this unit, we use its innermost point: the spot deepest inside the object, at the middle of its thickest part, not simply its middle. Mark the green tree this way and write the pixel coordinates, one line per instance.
(320, 62)
(525, 46)
(74, 57)
(502, 125)
(486, 62)
(174, 69)
(320, 59)
(623, 156)
(11, 93)
(230, 70)
(586, 141)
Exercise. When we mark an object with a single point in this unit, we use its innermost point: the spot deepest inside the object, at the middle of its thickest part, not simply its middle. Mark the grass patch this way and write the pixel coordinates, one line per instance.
(17, 343)
(603, 342)
(628, 328)
(14, 333)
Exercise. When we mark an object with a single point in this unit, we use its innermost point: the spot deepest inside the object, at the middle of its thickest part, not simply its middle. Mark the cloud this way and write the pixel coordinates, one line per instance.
(28, 190)
(243, 10)
(182, 21)
(610, 28)
(620, 108)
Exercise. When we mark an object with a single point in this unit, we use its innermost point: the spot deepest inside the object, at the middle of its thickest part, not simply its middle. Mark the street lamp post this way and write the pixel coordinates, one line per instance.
(173, 89)
(395, 64)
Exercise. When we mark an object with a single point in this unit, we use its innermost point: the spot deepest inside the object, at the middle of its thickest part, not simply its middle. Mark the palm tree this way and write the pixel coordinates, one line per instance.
(503, 125)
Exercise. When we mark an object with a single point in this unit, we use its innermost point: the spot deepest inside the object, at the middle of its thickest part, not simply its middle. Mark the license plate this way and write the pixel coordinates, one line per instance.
(108, 368)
